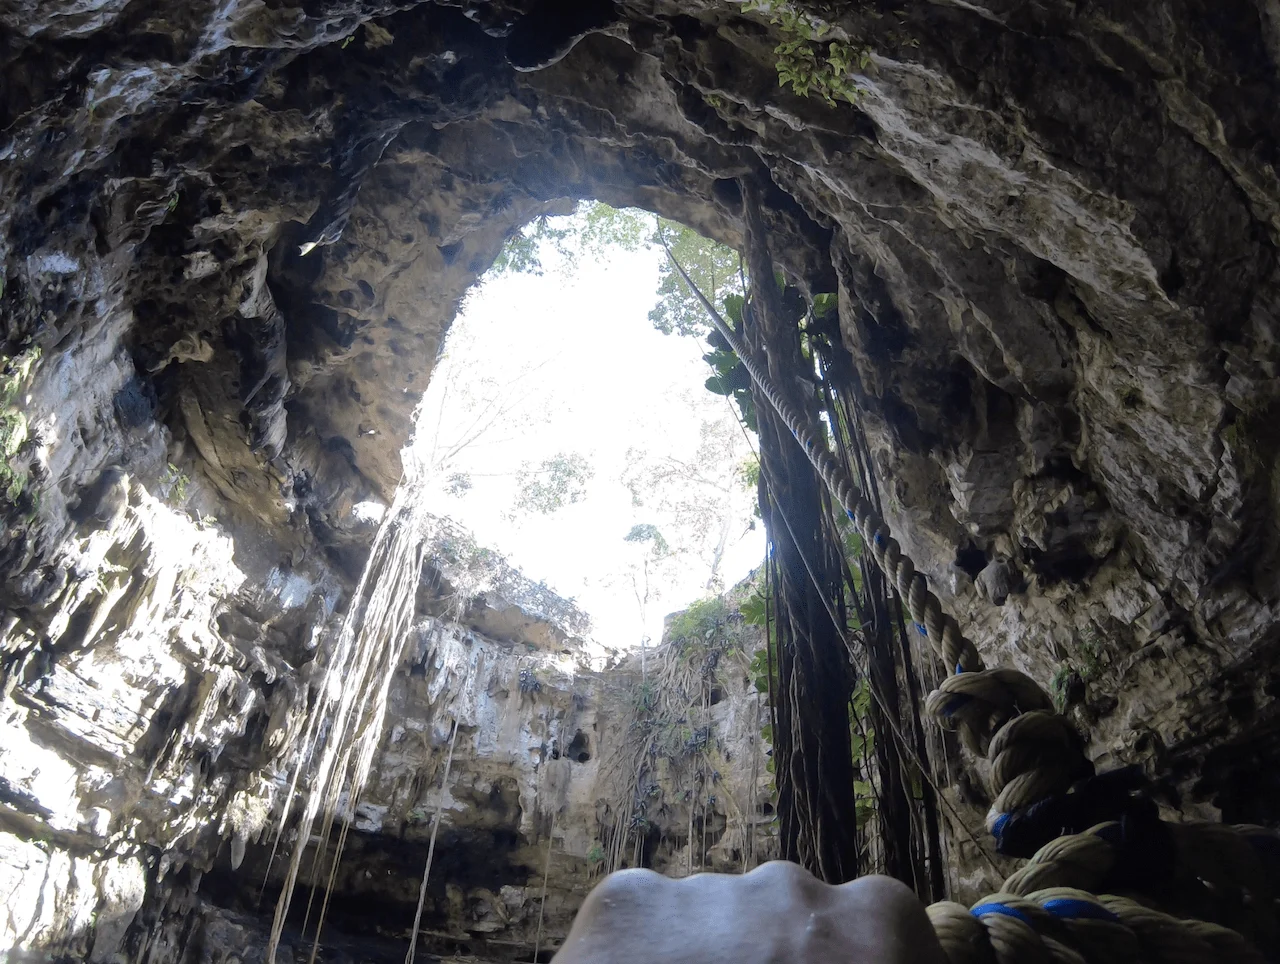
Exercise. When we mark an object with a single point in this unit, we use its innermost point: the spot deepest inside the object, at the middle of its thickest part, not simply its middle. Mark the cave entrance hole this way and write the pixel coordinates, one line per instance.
(572, 426)
(579, 748)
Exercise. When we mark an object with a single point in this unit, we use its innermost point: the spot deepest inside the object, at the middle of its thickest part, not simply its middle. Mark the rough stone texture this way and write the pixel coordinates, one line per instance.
(1052, 228)
(150, 729)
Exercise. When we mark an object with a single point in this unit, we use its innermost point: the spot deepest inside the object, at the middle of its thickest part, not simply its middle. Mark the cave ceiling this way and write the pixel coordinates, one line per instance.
(1052, 228)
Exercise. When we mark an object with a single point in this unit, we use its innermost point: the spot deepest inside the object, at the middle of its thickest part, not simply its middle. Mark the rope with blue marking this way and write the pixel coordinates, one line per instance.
(1049, 911)
(1039, 756)
(1036, 758)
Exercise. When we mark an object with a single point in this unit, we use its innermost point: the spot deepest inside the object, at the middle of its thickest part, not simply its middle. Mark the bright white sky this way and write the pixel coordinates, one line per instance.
(574, 354)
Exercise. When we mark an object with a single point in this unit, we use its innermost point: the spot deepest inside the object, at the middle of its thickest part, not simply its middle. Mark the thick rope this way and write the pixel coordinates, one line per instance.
(1048, 912)
(1039, 758)
(1036, 757)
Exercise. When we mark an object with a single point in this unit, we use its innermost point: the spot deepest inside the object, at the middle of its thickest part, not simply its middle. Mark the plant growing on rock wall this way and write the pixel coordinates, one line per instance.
(700, 622)
(177, 482)
(13, 423)
(810, 58)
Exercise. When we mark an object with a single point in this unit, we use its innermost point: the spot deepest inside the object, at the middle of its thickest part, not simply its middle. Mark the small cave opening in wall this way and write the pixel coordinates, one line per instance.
(579, 748)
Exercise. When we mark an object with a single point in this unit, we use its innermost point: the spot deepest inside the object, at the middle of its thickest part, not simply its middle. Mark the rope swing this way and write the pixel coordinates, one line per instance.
(1086, 834)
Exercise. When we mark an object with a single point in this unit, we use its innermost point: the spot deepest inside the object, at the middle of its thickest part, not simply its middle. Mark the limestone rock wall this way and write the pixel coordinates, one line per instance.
(235, 233)
(144, 726)
(150, 734)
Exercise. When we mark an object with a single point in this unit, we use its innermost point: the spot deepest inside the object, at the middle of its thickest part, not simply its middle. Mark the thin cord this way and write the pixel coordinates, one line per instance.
(546, 873)
(431, 848)
(893, 725)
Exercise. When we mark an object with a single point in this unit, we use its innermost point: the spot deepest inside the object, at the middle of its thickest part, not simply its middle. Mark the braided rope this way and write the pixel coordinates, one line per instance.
(1047, 911)
(1035, 760)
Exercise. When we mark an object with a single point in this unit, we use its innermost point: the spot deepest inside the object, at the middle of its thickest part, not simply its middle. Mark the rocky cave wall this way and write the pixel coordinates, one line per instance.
(145, 755)
(1051, 226)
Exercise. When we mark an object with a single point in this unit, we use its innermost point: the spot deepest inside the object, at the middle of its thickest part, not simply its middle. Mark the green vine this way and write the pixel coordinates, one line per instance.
(810, 59)
(177, 481)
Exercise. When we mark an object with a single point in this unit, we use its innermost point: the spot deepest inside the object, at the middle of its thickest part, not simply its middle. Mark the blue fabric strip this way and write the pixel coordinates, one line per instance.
(921, 630)
(982, 910)
(997, 828)
(1070, 907)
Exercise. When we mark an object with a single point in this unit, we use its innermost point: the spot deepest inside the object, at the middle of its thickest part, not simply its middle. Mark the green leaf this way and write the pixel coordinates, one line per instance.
(825, 303)
(733, 305)
(755, 611)
(716, 386)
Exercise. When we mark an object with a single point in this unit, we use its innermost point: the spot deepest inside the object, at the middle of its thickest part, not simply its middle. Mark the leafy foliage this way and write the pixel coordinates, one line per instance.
(522, 254)
(755, 612)
(594, 227)
(700, 621)
(177, 482)
(13, 423)
(730, 376)
(862, 739)
(555, 483)
(458, 483)
(824, 304)
(810, 59)
(590, 230)
(713, 267)
(646, 532)
(704, 506)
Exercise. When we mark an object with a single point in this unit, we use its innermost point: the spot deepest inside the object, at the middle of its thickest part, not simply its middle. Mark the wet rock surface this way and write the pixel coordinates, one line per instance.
(235, 235)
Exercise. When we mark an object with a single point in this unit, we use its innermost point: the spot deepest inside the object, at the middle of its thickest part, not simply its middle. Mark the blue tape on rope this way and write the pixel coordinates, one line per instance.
(982, 910)
(849, 513)
(1069, 907)
(879, 539)
(959, 669)
(921, 630)
(997, 828)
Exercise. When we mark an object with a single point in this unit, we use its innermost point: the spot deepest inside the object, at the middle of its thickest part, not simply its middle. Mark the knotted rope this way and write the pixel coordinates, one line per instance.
(1044, 785)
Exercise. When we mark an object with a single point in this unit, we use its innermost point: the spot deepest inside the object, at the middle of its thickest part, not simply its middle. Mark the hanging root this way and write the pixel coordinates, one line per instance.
(1044, 786)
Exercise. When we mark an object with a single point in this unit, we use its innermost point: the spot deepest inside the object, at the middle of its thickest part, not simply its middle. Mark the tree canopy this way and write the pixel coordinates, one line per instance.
(594, 227)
